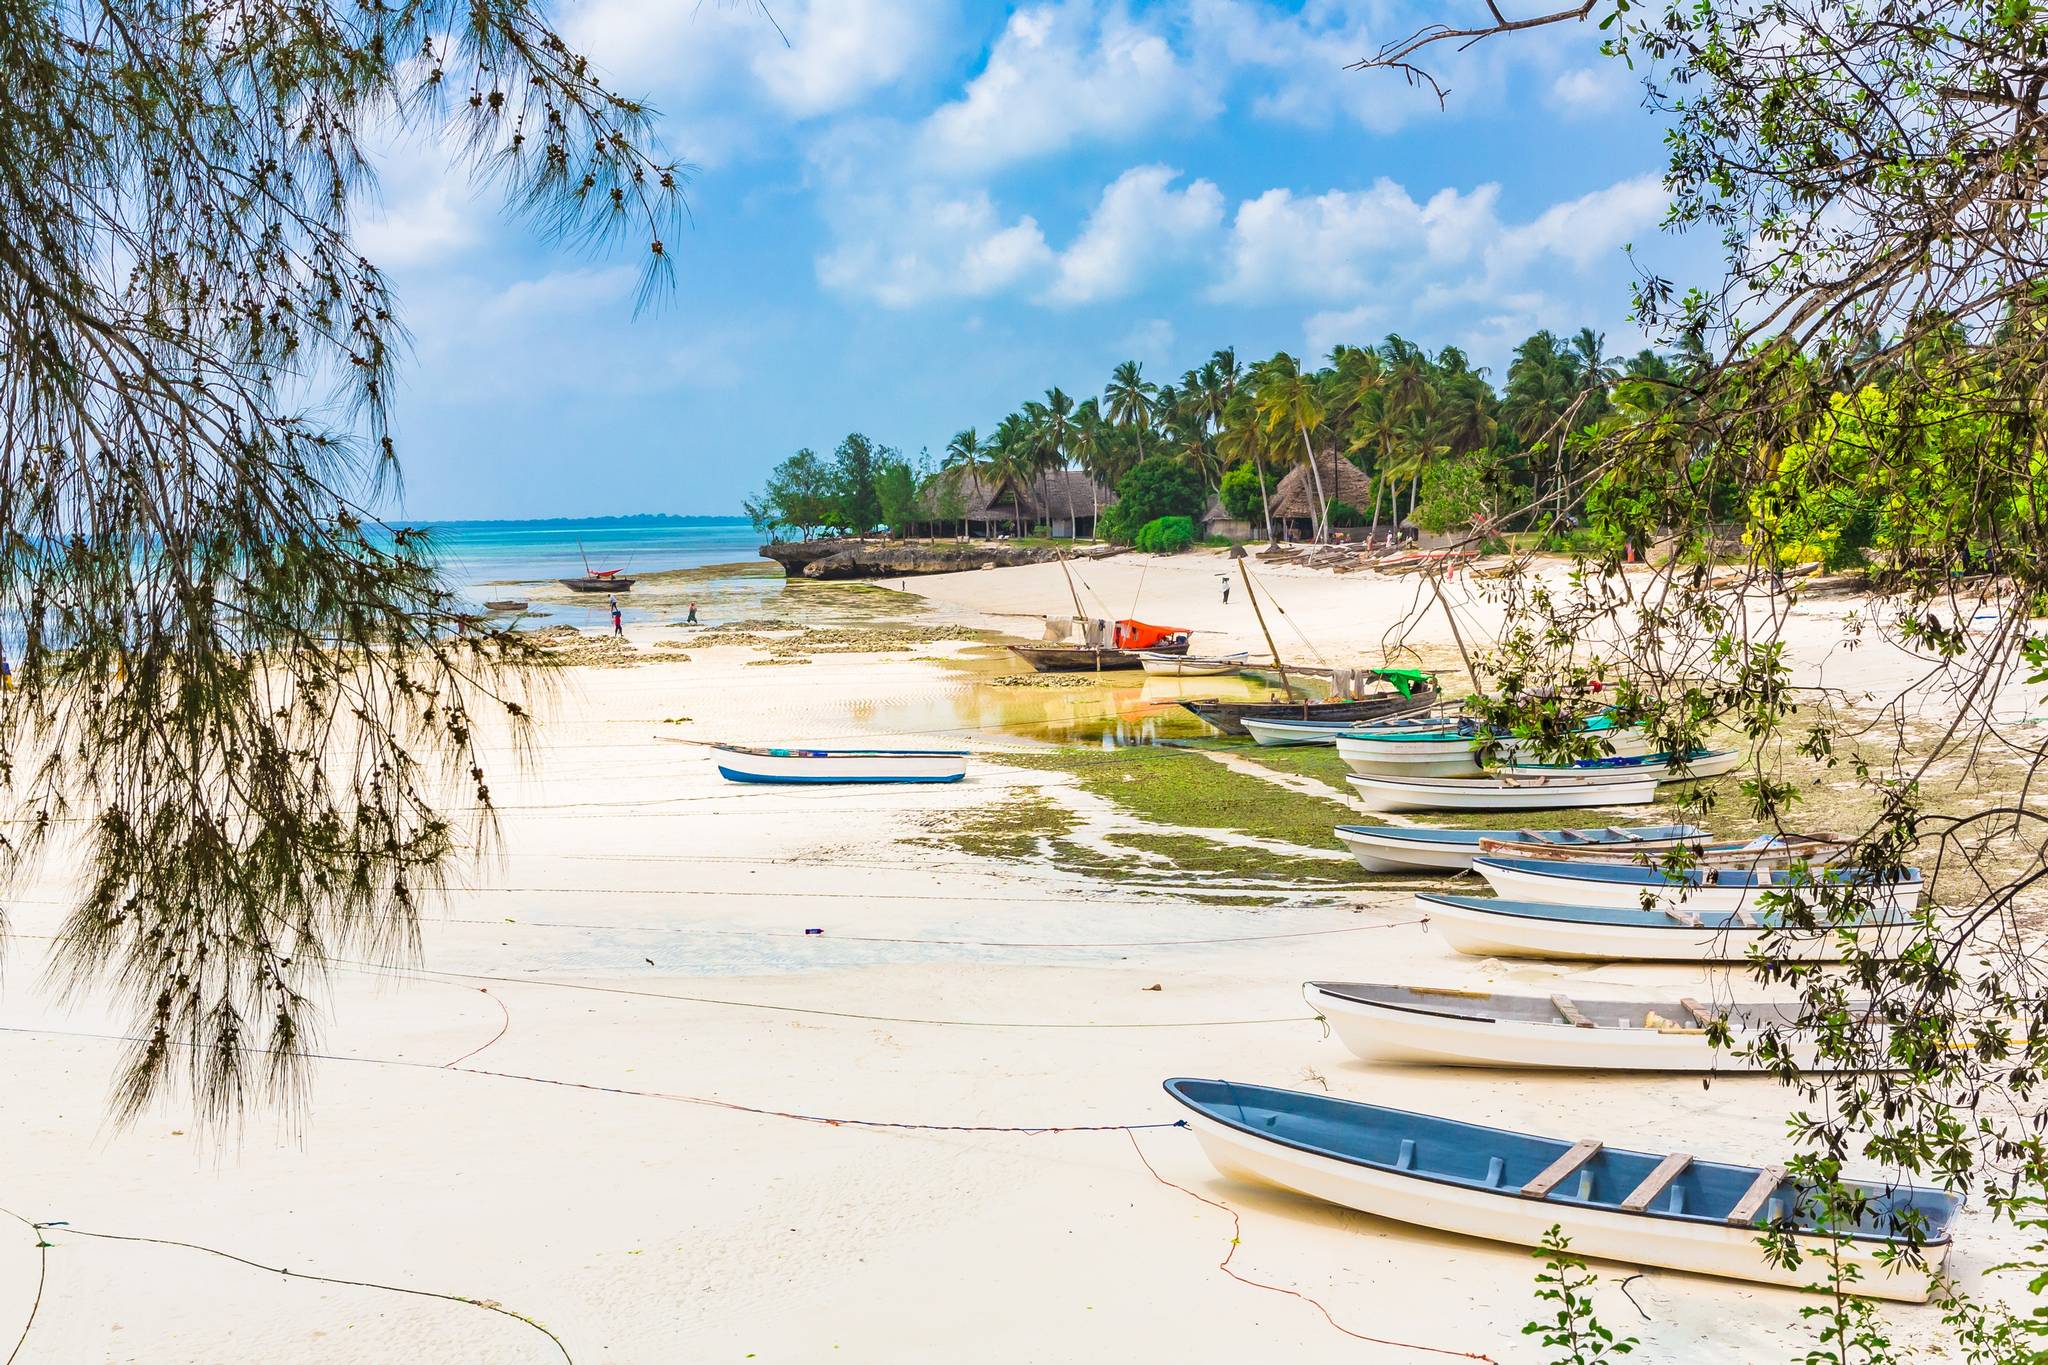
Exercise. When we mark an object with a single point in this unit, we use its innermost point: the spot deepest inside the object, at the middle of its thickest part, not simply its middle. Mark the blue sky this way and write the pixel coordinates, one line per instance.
(917, 214)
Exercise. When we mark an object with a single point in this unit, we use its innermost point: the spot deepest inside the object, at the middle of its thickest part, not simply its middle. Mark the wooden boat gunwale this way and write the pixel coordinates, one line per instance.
(759, 752)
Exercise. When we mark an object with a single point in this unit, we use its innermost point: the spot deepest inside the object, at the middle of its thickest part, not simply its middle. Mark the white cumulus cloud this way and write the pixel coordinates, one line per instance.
(1141, 225)
(1062, 73)
(924, 245)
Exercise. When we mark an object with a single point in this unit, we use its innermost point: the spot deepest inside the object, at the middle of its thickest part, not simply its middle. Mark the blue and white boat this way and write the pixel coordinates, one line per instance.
(1454, 750)
(1481, 926)
(1639, 1208)
(740, 763)
(1699, 889)
(1697, 766)
(1280, 731)
(1417, 848)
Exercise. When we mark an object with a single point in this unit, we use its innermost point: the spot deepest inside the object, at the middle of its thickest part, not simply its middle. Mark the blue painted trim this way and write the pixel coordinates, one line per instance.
(735, 775)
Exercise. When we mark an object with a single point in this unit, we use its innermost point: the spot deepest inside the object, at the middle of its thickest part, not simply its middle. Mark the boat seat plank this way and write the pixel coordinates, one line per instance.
(1534, 836)
(1566, 1006)
(1667, 1170)
(1577, 1155)
(1748, 919)
(1626, 836)
(1705, 1016)
(1752, 1202)
(1683, 916)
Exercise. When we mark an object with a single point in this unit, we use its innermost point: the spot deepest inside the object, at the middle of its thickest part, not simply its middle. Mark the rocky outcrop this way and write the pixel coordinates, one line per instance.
(835, 559)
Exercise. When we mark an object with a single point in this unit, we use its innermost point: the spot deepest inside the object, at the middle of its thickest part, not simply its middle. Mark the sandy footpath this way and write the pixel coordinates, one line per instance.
(596, 1102)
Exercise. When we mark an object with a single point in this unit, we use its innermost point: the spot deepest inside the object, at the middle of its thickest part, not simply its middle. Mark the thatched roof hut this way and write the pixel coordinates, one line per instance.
(1059, 498)
(1343, 481)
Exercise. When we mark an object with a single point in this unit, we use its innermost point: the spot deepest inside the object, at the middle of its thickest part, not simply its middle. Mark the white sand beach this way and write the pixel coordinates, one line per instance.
(628, 1097)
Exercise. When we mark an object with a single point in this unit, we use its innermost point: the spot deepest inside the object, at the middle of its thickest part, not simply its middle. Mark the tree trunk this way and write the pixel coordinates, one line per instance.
(1319, 525)
(1265, 507)
(1379, 486)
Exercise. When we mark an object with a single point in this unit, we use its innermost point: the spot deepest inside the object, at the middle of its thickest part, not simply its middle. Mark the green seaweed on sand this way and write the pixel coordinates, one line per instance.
(1188, 792)
(1319, 761)
(1024, 824)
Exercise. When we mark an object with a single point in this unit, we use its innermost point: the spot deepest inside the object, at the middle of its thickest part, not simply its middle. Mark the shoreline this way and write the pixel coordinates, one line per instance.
(621, 1033)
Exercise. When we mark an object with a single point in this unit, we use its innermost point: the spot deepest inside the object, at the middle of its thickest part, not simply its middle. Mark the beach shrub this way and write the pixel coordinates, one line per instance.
(1241, 495)
(1338, 512)
(1155, 488)
(1166, 535)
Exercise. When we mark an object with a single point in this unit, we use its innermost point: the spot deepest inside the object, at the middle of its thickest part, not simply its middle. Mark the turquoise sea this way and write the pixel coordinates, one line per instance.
(475, 553)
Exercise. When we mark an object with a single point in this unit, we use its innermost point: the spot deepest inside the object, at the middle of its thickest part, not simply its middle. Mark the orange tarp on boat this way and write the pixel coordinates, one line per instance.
(1138, 635)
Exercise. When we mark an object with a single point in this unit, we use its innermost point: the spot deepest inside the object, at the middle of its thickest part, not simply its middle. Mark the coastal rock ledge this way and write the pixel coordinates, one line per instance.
(898, 559)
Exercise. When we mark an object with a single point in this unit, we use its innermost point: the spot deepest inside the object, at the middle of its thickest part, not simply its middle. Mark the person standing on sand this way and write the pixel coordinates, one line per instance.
(618, 626)
(691, 619)
(1226, 588)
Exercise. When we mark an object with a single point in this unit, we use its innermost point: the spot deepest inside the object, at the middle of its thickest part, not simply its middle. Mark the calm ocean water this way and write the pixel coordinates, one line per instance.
(479, 552)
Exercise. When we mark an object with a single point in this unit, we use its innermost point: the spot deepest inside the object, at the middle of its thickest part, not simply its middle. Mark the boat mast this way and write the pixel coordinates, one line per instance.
(1080, 615)
(1237, 553)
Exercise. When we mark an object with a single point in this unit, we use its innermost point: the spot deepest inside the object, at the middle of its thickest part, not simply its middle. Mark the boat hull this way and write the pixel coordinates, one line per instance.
(598, 584)
(1727, 1252)
(1393, 794)
(825, 767)
(1075, 658)
(1228, 717)
(1387, 850)
(1164, 665)
(1487, 933)
(1451, 755)
(1701, 768)
(1556, 884)
(1419, 1036)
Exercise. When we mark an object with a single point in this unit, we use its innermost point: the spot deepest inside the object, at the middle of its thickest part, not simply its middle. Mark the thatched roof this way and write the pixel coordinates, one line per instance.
(1061, 495)
(1343, 481)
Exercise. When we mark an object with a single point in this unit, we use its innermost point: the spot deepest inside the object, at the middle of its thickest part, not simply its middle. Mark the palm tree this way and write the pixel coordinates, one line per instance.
(963, 460)
(1377, 432)
(1086, 448)
(1288, 399)
(1011, 460)
(1242, 438)
(1130, 400)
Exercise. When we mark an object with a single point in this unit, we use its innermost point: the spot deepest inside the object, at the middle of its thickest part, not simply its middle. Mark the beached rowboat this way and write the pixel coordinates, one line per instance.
(1413, 694)
(1700, 765)
(1638, 1208)
(1423, 1026)
(1455, 749)
(1770, 851)
(1499, 793)
(1165, 665)
(1699, 889)
(1408, 848)
(739, 763)
(1277, 733)
(1480, 926)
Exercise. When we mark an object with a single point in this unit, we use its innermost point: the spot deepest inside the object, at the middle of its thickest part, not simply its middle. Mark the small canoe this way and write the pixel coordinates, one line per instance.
(1772, 851)
(1638, 1208)
(1455, 750)
(1480, 926)
(1698, 889)
(1421, 1026)
(504, 604)
(1562, 792)
(1698, 767)
(1229, 717)
(1408, 848)
(739, 763)
(1161, 664)
(1278, 733)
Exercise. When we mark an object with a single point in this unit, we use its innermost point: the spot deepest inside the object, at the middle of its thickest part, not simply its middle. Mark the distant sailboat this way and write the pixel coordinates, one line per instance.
(597, 580)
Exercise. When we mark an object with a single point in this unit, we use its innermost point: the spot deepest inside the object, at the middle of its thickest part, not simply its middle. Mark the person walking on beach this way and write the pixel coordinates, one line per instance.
(618, 625)
(691, 619)
(1226, 589)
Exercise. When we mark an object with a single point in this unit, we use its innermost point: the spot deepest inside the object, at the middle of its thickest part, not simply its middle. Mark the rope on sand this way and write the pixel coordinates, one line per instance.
(1237, 1240)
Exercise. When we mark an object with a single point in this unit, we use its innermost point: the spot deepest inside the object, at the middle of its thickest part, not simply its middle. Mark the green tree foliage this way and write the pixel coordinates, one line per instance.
(897, 495)
(1165, 535)
(802, 493)
(1338, 512)
(1158, 487)
(199, 364)
(1243, 494)
(855, 465)
(1572, 1327)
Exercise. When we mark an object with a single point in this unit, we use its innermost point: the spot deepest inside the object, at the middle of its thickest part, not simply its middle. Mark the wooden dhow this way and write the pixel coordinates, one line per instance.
(1674, 1211)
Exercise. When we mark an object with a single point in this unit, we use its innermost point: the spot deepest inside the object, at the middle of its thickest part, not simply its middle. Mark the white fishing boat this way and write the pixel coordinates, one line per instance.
(1699, 766)
(1503, 792)
(740, 763)
(1700, 889)
(1674, 1211)
(1190, 665)
(1413, 848)
(1457, 750)
(1279, 731)
(1424, 1026)
(1480, 926)
(1770, 850)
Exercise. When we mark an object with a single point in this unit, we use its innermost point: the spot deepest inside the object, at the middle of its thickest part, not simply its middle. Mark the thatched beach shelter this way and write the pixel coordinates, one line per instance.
(1294, 500)
(1064, 501)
